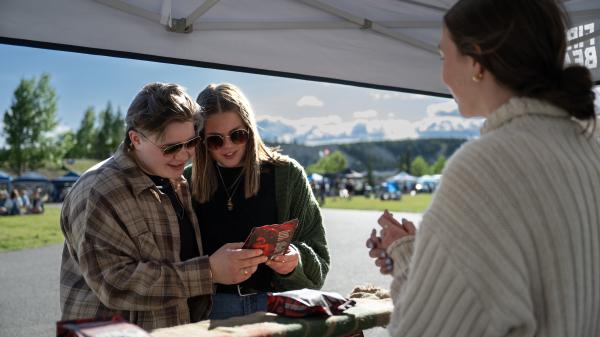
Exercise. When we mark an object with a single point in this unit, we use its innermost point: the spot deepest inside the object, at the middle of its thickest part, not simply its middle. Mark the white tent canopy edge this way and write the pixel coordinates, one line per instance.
(384, 44)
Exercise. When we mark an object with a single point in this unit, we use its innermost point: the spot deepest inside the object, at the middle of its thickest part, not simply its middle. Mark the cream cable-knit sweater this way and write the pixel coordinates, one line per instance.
(510, 245)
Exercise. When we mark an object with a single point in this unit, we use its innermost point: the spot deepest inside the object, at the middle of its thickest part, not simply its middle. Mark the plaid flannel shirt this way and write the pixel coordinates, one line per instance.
(121, 252)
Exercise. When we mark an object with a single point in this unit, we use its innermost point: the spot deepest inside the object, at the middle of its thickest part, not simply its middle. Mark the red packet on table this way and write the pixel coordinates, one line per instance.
(272, 239)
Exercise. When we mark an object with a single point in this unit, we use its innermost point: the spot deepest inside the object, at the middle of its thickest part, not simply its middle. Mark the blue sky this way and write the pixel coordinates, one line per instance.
(287, 109)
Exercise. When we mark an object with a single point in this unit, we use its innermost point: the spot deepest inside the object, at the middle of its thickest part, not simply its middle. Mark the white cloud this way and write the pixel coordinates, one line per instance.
(385, 95)
(59, 129)
(441, 120)
(441, 108)
(365, 114)
(309, 101)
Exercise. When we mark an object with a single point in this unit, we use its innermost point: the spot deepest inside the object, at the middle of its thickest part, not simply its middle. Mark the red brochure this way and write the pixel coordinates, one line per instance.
(272, 239)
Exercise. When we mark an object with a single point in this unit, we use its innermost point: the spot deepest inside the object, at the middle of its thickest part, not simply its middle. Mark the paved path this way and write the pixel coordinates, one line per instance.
(29, 278)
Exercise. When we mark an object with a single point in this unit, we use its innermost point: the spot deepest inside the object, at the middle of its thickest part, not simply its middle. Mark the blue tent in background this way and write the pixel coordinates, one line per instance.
(62, 185)
(31, 177)
(30, 181)
(5, 181)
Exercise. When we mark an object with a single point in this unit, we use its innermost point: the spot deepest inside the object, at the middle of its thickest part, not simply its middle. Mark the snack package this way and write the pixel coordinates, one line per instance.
(274, 239)
(93, 327)
(306, 302)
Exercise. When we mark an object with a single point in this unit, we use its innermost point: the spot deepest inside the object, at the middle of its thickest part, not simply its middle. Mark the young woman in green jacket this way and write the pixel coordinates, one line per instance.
(239, 183)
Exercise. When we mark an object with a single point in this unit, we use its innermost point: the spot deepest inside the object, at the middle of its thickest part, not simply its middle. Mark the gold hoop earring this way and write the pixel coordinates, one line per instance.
(477, 77)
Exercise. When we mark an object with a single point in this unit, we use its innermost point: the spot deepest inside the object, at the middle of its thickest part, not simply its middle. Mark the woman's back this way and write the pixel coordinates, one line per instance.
(519, 212)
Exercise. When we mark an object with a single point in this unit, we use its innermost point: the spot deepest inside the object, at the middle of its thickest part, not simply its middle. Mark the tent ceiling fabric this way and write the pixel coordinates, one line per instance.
(388, 44)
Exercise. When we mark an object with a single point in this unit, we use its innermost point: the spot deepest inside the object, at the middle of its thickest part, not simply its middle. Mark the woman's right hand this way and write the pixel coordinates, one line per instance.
(231, 264)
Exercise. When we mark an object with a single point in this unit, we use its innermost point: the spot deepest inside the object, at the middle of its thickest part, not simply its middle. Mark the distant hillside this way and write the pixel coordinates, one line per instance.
(383, 155)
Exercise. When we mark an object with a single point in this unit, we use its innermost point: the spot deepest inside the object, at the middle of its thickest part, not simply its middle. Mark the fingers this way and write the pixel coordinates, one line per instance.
(233, 245)
(252, 262)
(386, 265)
(409, 226)
(246, 253)
(387, 219)
(377, 253)
(385, 270)
(248, 271)
(373, 241)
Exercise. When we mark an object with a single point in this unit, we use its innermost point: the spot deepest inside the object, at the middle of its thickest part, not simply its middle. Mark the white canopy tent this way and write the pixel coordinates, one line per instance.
(386, 44)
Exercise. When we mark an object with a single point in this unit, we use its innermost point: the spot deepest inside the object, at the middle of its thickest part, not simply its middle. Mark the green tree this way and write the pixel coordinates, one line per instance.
(333, 163)
(438, 166)
(31, 116)
(419, 166)
(85, 137)
(56, 148)
(118, 130)
(110, 132)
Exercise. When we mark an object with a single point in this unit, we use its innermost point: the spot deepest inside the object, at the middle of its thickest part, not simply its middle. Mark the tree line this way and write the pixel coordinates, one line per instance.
(29, 130)
(336, 162)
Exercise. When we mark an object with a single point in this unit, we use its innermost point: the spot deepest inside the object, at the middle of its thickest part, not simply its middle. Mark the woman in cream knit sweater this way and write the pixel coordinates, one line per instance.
(510, 245)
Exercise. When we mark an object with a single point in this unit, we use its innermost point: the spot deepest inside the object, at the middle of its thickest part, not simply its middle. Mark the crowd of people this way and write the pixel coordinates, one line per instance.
(508, 247)
(23, 202)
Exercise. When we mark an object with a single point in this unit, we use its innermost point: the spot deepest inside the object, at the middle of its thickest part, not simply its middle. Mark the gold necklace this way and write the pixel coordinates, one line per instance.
(233, 187)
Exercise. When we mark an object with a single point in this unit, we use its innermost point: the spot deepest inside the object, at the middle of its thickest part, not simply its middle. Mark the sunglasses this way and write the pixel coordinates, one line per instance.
(214, 142)
(169, 149)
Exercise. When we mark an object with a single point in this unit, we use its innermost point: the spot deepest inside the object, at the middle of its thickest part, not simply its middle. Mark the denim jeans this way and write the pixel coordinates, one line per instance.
(227, 305)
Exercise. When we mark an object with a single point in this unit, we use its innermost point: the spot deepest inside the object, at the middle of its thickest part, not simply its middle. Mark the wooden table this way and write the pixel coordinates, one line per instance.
(367, 313)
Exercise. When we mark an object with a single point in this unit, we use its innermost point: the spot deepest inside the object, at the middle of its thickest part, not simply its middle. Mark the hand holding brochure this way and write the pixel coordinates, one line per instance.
(272, 239)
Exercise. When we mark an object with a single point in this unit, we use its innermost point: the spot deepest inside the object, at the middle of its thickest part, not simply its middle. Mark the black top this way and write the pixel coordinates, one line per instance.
(219, 226)
(189, 246)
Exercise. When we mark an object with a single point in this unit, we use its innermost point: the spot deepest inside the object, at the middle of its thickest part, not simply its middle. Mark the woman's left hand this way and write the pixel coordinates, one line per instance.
(393, 230)
(286, 263)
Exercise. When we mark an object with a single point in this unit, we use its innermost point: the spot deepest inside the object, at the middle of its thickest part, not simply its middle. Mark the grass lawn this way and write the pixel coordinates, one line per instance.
(32, 230)
(81, 165)
(416, 204)
(36, 230)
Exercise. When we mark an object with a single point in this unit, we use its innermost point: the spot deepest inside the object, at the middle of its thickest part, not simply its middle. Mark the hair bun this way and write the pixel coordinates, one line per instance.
(574, 92)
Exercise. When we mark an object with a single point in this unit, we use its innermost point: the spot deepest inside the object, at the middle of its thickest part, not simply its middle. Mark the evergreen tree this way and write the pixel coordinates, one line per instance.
(117, 131)
(110, 132)
(84, 139)
(31, 116)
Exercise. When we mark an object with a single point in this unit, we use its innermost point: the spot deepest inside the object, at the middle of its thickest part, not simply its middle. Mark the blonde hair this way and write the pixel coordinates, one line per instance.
(225, 97)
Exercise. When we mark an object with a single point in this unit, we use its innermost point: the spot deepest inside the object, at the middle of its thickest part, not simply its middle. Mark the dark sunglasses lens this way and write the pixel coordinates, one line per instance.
(214, 142)
(175, 148)
(239, 136)
(192, 142)
(172, 149)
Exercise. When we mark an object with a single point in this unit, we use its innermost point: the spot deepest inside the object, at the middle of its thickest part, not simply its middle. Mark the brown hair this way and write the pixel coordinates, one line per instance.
(156, 106)
(219, 98)
(523, 44)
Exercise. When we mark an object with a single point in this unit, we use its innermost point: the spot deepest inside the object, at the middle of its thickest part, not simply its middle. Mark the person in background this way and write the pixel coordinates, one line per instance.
(25, 202)
(510, 245)
(132, 244)
(37, 201)
(3, 201)
(14, 204)
(239, 183)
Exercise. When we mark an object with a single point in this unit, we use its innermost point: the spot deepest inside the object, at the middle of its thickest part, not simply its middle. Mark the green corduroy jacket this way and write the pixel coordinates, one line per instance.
(295, 199)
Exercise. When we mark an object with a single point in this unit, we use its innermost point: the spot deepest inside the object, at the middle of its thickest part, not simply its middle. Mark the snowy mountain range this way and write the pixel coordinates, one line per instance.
(332, 129)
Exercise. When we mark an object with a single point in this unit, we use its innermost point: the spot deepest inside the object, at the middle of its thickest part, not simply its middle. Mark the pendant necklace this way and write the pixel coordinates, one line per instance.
(231, 190)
